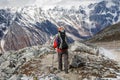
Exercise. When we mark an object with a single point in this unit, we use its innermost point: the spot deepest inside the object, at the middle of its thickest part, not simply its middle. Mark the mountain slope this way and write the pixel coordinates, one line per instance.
(111, 33)
(37, 26)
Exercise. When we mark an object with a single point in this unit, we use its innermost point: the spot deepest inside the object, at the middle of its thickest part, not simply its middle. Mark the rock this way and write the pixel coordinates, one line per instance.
(43, 77)
(12, 64)
(4, 64)
(12, 56)
(18, 77)
(20, 63)
(2, 60)
(81, 47)
(28, 56)
(111, 76)
(49, 77)
(0, 54)
(44, 50)
(77, 61)
(9, 70)
(2, 75)
(6, 54)
(5, 76)
(14, 77)
(50, 69)
(24, 77)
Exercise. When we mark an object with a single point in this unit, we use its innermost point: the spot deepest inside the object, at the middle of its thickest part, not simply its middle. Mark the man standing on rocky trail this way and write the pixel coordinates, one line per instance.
(60, 42)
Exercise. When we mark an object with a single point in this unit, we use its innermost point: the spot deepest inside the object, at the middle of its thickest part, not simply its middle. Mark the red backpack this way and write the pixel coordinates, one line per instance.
(60, 41)
(55, 43)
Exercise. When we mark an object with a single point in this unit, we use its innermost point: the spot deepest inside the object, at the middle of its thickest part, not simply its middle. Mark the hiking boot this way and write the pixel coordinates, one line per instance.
(66, 72)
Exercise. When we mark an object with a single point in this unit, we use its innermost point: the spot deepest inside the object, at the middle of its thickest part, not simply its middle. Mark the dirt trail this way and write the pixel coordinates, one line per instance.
(45, 65)
(47, 61)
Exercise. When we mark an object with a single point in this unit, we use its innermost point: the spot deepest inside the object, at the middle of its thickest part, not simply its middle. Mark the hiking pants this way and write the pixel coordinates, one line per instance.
(65, 55)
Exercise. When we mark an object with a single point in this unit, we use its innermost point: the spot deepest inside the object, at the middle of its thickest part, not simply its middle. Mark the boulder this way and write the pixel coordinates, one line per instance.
(9, 70)
(4, 64)
(77, 62)
(82, 47)
(49, 77)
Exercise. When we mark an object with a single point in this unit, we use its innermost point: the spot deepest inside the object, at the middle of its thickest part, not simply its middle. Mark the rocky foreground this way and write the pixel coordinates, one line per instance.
(87, 62)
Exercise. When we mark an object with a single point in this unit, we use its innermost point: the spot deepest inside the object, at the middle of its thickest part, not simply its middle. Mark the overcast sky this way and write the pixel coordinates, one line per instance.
(43, 3)
(15, 3)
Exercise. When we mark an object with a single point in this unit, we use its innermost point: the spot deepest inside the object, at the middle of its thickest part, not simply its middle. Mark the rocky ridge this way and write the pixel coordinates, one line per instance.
(86, 62)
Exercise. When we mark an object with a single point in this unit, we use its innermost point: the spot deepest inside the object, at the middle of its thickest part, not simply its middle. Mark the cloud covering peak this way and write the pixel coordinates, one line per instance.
(44, 3)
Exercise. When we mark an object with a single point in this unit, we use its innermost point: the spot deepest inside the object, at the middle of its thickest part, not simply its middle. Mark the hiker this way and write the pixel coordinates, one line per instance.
(60, 42)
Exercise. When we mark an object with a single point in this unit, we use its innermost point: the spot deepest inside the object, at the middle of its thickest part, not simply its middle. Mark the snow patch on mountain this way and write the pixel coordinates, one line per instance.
(110, 3)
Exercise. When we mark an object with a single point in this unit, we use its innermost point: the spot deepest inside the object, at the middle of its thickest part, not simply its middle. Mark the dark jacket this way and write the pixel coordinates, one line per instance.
(55, 44)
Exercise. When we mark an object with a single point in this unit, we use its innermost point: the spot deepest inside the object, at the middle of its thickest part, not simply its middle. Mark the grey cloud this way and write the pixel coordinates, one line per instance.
(15, 3)
(42, 3)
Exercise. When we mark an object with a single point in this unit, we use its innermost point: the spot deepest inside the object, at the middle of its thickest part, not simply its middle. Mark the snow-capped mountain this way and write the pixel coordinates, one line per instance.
(32, 25)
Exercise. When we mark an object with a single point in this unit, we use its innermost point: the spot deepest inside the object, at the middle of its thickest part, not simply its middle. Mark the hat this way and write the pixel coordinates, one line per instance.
(61, 29)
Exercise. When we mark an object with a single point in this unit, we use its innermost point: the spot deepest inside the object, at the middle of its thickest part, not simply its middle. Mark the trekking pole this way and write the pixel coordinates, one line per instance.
(53, 60)
(53, 51)
(52, 67)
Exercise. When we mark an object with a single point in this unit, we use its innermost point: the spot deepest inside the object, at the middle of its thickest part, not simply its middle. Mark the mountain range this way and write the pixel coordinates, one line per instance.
(31, 25)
